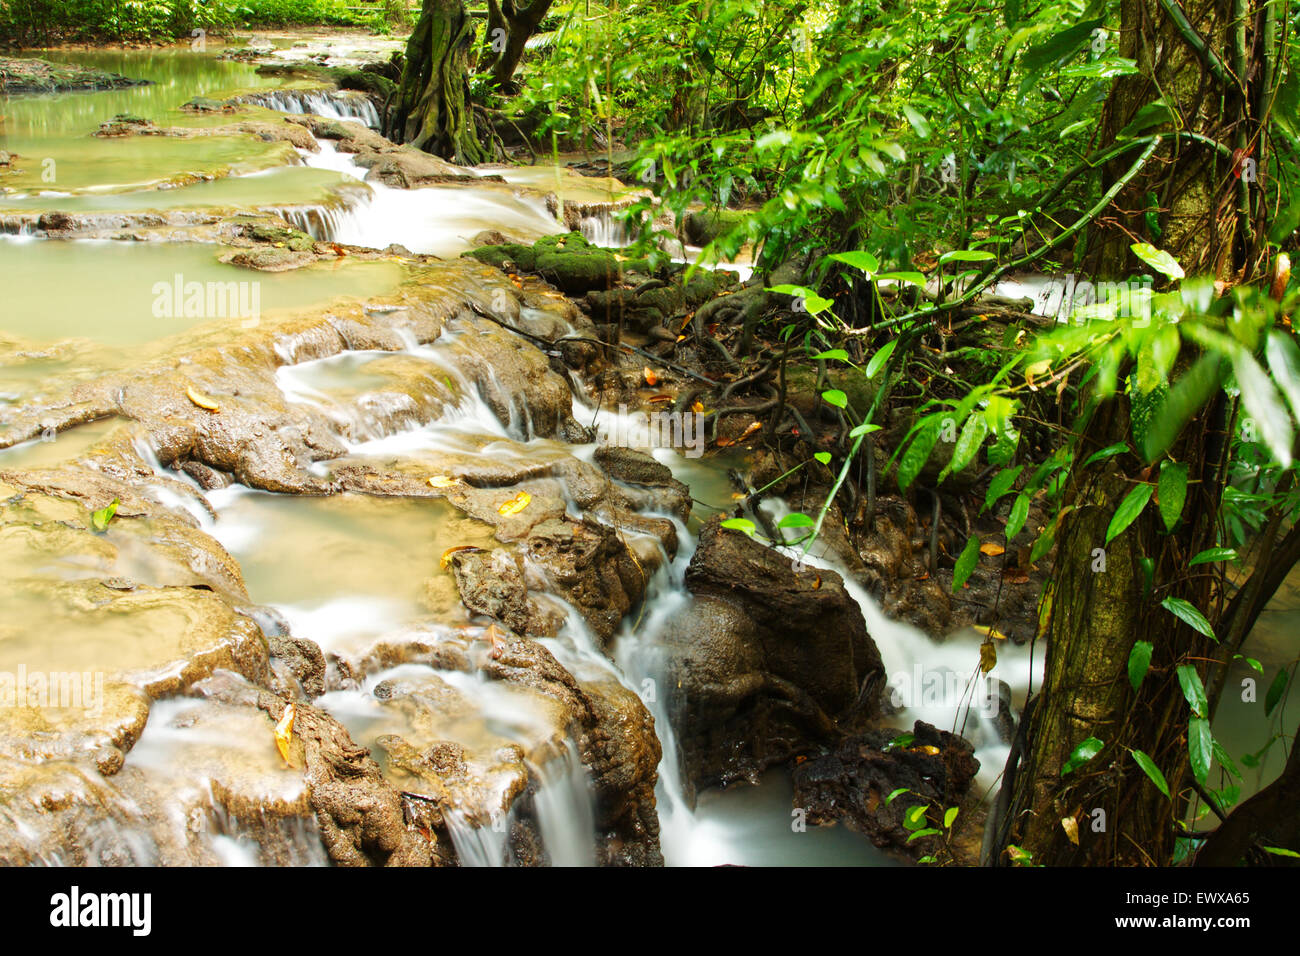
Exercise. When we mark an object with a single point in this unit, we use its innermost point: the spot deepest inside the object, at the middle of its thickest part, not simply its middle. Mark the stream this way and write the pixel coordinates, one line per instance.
(340, 354)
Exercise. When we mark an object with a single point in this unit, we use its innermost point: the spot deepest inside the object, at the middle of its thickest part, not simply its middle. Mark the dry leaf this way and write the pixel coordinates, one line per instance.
(444, 481)
(284, 733)
(992, 632)
(651, 378)
(516, 504)
(698, 408)
(753, 427)
(201, 400)
(445, 561)
(494, 638)
(1071, 827)
(988, 656)
(991, 548)
(930, 749)
(656, 399)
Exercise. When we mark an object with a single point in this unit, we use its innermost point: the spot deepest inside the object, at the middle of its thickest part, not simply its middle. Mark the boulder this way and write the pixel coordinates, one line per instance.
(766, 662)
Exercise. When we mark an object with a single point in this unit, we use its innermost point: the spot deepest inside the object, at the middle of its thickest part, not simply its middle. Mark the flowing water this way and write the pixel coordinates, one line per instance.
(354, 572)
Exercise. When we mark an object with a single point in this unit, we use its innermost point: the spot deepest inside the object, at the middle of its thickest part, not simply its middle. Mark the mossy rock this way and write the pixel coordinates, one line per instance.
(363, 80)
(292, 239)
(569, 262)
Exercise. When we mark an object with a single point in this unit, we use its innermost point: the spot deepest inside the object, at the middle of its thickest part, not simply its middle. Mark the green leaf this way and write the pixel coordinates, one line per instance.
(948, 816)
(1172, 486)
(740, 524)
(1000, 485)
(99, 520)
(914, 816)
(877, 361)
(902, 740)
(1043, 543)
(1280, 851)
(1081, 754)
(894, 795)
(1226, 761)
(1019, 512)
(918, 452)
(824, 457)
(911, 278)
(796, 520)
(1213, 554)
(1158, 259)
(833, 396)
(1060, 46)
(928, 831)
(919, 122)
(1105, 453)
(966, 255)
(866, 428)
(1187, 613)
(838, 354)
(966, 562)
(1262, 402)
(1284, 361)
(858, 260)
(1151, 770)
(1275, 692)
(1139, 662)
(1200, 743)
(1193, 689)
(1128, 511)
(968, 444)
(1193, 388)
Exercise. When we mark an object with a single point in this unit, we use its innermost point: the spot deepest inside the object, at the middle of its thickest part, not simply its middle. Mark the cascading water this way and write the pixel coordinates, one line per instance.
(334, 104)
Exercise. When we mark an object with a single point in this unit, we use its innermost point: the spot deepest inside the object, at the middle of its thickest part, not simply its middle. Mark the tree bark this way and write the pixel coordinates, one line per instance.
(433, 111)
(509, 29)
(1269, 818)
(1090, 620)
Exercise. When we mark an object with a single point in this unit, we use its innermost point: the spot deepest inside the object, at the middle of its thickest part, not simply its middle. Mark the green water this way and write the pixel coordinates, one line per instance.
(120, 293)
(51, 134)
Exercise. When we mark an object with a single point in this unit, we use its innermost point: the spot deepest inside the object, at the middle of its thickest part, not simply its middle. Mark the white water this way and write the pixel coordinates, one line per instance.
(434, 220)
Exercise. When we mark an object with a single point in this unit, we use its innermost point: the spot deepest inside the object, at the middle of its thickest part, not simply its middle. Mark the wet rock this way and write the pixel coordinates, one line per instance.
(589, 565)
(852, 781)
(30, 75)
(360, 814)
(766, 661)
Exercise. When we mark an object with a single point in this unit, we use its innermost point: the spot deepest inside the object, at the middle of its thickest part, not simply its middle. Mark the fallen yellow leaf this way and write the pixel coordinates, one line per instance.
(991, 548)
(516, 504)
(992, 632)
(444, 481)
(201, 400)
(650, 377)
(284, 733)
(1071, 827)
(445, 561)
(988, 656)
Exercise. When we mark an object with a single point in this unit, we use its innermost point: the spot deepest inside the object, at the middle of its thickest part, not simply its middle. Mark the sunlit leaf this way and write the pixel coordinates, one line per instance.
(1080, 755)
(1186, 612)
(1128, 511)
(516, 504)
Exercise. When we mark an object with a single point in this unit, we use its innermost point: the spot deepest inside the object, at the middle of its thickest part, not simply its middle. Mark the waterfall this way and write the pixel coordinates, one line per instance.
(334, 104)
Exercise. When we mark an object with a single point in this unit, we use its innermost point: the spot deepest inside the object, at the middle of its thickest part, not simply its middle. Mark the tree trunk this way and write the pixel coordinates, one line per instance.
(509, 29)
(1190, 199)
(1093, 612)
(433, 111)
(1090, 619)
